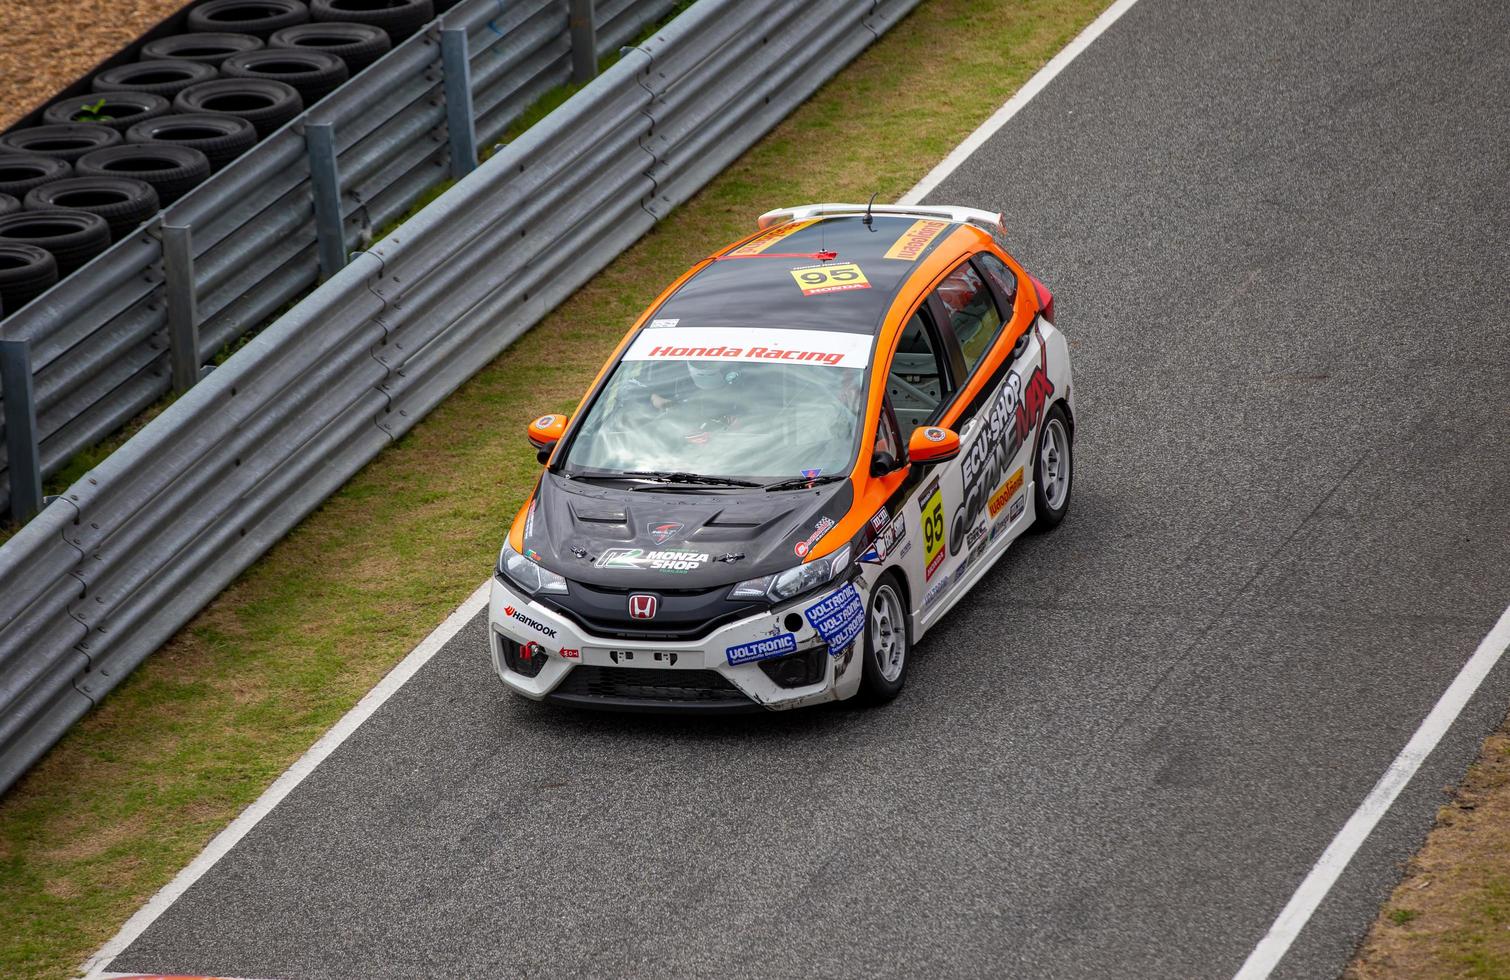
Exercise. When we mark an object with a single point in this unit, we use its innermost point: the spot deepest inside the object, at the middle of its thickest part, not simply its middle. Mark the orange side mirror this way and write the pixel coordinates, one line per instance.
(546, 431)
(932, 444)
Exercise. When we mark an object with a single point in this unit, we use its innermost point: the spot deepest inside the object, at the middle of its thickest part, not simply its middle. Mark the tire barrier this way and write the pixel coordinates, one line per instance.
(220, 137)
(129, 553)
(359, 45)
(258, 18)
(117, 110)
(123, 202)
(101, 350)
(21, 172)
(66, 142)
(204, 47)
(313, 74)
(73, 237)
(25, 271)
(165, 78)
(400, 18)
(171, 170)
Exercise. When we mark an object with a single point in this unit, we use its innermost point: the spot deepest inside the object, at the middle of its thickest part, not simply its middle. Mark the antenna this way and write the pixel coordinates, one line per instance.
(868, 203)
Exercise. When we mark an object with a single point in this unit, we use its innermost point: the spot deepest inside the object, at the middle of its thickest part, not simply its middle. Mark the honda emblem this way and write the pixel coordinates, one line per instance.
(642, 606)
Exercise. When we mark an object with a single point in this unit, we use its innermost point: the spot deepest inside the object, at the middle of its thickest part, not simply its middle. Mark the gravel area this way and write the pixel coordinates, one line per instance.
(45, 44)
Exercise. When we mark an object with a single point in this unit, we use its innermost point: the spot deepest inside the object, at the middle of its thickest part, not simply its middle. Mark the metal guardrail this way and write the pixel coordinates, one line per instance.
(132, 551)
(117, 335)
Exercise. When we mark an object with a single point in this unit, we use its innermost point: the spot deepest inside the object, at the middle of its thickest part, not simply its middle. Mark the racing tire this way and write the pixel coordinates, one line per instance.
(165, 78)
(123, 202)
(66, 142)
(399, 18)
(26, 272)
(121, 110)
(359, 45)
(220, 138)
(206, 48)
(20, 172)
(313, 74)
(266, 105)
(258, 18)
(171, 170)
(888, 642)
(73, 237)
(1053, 470)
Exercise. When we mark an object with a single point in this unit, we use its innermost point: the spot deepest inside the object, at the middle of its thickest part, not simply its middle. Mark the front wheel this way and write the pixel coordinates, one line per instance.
(1053, 470)
(887, 643)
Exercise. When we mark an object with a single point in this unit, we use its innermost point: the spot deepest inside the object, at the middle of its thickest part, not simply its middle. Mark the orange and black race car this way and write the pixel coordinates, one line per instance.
(803, 454)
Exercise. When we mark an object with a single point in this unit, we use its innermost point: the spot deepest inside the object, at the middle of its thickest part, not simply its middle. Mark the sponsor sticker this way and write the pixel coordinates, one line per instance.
(915, 239)
(838, 618)
(1018, 506)
(663, 531)
(812, 474)
(774, 646)
(933, 434)
(532, 555)
(886, 541)
(568, 653)
(936, 590)
(766, 239)
(545, 421)
(829, 348)
(539, 627)
(665, 323)
(934, 548)
(801, 548)
(977, 535)
(817, 280)
(672, 560)
(1005, 492)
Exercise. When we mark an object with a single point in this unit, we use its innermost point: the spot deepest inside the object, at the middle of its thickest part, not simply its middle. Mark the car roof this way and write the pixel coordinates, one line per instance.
(751, 284)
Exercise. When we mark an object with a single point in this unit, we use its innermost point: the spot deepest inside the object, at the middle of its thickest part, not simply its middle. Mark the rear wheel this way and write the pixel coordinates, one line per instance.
(888, 642)
(1053, 470)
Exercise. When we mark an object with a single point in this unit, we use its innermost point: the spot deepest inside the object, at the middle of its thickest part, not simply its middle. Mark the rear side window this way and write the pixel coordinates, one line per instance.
(972, 312)
(1002, 277)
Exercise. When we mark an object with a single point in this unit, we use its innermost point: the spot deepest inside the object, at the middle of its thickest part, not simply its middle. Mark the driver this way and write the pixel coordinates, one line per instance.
(696, 391)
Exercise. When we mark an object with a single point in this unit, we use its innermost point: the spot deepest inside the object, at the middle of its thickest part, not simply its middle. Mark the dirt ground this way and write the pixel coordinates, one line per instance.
(46, 44)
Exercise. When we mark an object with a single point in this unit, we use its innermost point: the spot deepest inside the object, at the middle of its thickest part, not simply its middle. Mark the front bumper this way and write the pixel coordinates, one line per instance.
(663, 675)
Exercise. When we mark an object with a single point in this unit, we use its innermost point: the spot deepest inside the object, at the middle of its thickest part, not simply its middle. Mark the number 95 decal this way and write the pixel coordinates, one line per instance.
(934, 550)
(818, 279)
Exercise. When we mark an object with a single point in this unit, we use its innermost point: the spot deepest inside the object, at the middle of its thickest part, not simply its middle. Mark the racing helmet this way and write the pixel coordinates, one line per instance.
(706, 374)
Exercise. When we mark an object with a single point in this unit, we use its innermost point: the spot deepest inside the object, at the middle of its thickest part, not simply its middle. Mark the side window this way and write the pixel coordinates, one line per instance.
(972, 312)
(918, 383)
(888, 440)
(1002, 277)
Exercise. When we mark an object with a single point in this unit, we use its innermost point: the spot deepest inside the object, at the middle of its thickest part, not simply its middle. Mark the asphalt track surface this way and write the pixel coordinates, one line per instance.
(1278, 234)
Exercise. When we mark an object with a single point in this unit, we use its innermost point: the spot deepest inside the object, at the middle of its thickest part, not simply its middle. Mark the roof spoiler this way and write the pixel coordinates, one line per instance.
(990, 221)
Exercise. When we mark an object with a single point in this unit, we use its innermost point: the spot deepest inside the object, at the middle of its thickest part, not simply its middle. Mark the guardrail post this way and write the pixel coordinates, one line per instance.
(461, 130)
(584, 41)
(325, 179)
(25, 456)
(183, 307)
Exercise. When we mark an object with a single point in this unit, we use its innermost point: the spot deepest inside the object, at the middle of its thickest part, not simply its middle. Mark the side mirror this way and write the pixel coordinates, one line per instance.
(932, 444)
(545, 432)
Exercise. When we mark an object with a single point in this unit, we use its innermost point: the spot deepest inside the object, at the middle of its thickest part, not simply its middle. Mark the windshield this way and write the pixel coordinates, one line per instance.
(750, 404)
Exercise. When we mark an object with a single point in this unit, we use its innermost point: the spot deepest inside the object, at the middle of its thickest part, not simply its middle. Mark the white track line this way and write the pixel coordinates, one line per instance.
(1267, 954)
(228, 838)
(94, 969)
(1014, 105)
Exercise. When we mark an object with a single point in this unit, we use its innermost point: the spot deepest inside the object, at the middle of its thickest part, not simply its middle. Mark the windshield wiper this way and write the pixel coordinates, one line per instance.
(802, 482)
(675, 477)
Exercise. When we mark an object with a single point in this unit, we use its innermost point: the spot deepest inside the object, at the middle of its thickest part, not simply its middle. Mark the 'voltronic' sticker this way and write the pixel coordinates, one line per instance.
(771, 646)
(838, 618)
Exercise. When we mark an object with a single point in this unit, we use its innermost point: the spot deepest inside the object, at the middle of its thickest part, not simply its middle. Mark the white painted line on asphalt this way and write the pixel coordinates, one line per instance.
(94, 968)
(1014, 105)
(1324, 874)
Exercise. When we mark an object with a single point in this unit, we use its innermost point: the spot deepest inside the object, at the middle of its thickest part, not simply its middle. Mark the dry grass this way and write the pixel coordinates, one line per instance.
(1450, 916)
(142, 783)
(47, 44)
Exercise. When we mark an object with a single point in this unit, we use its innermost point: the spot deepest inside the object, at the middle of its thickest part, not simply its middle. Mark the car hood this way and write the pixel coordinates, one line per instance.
(673, 537)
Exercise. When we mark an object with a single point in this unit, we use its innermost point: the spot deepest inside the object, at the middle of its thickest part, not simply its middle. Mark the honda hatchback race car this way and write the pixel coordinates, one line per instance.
(800, 457)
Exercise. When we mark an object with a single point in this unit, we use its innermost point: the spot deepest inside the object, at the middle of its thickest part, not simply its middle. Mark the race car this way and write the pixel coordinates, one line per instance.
(809, 448)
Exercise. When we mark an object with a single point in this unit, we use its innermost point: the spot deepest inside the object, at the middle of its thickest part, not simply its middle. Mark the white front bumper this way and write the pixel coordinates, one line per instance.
(556, 633)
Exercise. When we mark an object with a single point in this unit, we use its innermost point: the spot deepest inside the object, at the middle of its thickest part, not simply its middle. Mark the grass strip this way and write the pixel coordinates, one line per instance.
(196, 734)
(1450, 914)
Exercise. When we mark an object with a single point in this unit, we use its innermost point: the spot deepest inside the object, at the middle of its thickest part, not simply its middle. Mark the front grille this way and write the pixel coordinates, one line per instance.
(649, 687)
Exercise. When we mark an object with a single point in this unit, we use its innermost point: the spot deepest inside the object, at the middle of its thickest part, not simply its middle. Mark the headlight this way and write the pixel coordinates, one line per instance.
(528, 575)
(794, 581)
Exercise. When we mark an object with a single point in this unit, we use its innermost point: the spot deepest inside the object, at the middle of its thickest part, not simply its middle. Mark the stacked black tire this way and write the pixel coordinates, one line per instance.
(100, 164)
